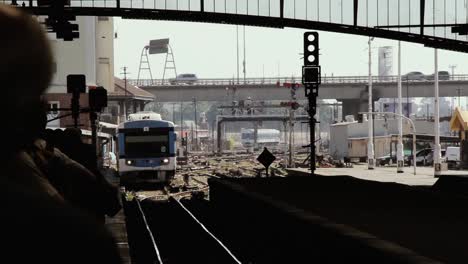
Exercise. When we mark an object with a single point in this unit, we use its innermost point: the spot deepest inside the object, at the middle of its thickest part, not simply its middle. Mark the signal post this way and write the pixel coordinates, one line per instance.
(311, 81)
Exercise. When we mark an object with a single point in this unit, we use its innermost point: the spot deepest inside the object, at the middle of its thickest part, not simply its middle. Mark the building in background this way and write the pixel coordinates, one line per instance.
(92, 54)
(385, 62)
(134, 98)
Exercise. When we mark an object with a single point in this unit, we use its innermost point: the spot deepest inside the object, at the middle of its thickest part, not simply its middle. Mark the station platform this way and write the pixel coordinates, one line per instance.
(117, 226)
(343, 219)
(424, 175)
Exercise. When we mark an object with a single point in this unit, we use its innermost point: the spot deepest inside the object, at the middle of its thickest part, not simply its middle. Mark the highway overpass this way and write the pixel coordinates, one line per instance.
(340, 88)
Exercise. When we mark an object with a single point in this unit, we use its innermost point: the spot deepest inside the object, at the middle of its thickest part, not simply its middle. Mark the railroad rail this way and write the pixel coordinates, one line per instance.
(150, 234)
(165, 221)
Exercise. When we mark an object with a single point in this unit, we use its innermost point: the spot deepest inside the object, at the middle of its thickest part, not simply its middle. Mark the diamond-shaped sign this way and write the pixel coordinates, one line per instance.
(266, 158)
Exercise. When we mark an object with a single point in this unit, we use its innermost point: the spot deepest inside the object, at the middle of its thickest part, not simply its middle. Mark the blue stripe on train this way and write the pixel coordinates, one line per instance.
(172, 139)
(121, 141)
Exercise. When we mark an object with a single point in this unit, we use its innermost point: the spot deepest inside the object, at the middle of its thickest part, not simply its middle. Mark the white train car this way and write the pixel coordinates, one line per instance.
(146, 149)
(265, 137)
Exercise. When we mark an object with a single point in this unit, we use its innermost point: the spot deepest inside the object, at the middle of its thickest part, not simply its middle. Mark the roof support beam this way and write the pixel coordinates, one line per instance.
(422, 11)
(282, 8)
(355, 7)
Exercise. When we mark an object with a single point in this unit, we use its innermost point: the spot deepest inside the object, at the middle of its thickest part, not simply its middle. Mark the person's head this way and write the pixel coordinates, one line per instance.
(73, 135)
(25, 70)
(26, 64)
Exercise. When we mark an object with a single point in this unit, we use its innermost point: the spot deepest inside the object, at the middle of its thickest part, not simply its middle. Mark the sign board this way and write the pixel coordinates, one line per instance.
(158, 46)
(266, 158)
(311, 75)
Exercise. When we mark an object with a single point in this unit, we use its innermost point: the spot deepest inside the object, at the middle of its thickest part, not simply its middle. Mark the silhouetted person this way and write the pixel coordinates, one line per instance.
(84, 154)
(78, 151)
(75, 183)
(38, 225)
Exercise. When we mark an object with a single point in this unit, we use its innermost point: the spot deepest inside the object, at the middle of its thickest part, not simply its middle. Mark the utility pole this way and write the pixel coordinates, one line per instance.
(437, 165)
(245, 63)
(291, 132)
(125, 88)
(370, 122)
(407, 99)
(452, 68)
(173, 112)
(263, 73)
(237, 42)
(400, 153)
(181, 119)
(458, 92)
(196, 130)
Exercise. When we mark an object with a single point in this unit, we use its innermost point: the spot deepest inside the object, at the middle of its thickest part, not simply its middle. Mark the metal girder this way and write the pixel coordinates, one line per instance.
(263, 21)
(422, 10)
(356, 9)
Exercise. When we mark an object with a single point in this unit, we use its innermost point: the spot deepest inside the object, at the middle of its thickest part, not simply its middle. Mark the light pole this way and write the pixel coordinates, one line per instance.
(181, 119)
(125, 88)
(195, 121)
(412, 126)
(437, 165)
(370, 122)
(173, 113)
(452, 67)
(400, 154)
(237, 41)
(245, 62)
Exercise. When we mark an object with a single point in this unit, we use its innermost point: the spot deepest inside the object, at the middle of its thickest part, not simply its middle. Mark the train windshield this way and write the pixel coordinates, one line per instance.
(247, 136)
(144, 146)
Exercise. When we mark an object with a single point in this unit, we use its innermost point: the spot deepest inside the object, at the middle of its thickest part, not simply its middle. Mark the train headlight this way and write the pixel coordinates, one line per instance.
(129, 162)
(165, 161)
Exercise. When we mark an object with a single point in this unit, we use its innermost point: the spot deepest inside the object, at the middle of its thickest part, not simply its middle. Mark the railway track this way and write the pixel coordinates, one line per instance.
(171, 233)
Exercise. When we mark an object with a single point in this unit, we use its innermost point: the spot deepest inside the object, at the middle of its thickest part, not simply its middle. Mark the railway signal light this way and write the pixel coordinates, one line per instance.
(76, 83)
(311, 68)
(311, 80)
(98, 98)
(311, 49)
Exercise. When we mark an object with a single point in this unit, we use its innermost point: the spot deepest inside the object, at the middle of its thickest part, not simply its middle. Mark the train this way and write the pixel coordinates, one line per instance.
(265, 137)
(146, 149)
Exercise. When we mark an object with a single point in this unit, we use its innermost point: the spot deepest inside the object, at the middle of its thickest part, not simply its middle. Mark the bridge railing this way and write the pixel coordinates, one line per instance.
(280, 81)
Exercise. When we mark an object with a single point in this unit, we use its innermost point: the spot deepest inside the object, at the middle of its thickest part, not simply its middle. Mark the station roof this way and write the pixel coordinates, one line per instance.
(132, 92)
(459, 121)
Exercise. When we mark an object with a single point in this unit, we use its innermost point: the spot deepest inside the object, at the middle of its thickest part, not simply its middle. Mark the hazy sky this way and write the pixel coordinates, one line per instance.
(209, 50)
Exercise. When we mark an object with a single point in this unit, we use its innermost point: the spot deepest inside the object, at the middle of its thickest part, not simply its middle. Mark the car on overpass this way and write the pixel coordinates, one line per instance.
(185, 78)
(443, 75)
(413, 76)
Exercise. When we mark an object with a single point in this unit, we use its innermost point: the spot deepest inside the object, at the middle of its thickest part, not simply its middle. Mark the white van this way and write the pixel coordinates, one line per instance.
(452, 155)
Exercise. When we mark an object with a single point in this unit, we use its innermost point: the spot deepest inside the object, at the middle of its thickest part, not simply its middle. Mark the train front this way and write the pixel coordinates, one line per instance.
(146, 151)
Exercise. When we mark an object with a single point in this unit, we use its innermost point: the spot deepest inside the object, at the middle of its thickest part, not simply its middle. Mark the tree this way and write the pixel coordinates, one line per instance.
(159, 108)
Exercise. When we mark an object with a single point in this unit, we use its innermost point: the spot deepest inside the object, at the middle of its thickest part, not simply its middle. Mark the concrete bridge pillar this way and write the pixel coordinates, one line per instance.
(353, 107)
